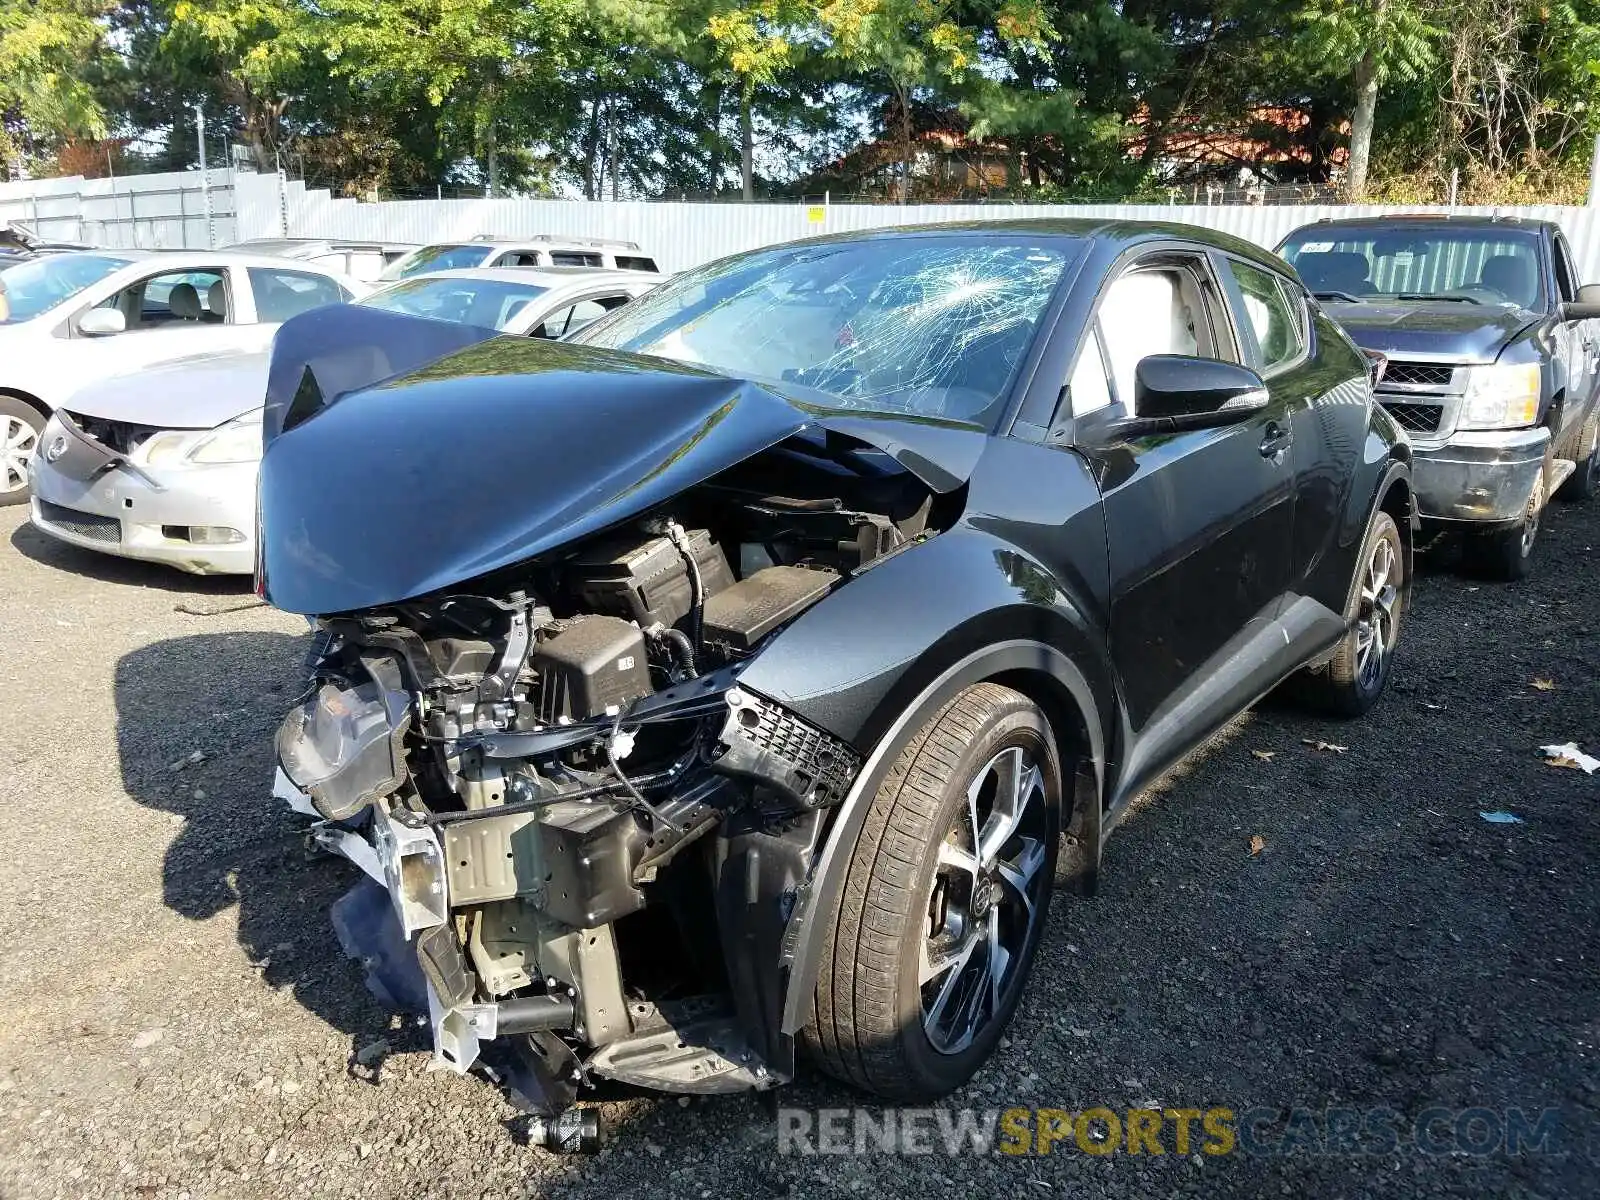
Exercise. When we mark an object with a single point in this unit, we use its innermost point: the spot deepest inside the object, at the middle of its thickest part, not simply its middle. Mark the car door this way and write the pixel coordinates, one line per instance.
(1198, 523)
(169, 314)
(1576, 341)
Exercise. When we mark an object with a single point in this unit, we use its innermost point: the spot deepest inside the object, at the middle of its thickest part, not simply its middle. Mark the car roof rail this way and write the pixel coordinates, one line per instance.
(558, 239)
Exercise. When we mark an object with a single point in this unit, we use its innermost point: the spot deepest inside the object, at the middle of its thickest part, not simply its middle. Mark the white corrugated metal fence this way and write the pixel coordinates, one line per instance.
(168, 211)
(681, 235)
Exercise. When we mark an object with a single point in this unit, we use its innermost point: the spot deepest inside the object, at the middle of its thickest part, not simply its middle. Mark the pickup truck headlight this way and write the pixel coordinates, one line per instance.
(238, 441)
(1501, 396)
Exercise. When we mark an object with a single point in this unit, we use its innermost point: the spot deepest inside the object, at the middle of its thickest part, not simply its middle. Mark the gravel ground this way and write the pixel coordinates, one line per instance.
(178, 1021)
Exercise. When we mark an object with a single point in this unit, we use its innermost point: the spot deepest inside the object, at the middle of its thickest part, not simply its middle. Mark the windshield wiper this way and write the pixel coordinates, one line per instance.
(1346, 297)
(1436, 296)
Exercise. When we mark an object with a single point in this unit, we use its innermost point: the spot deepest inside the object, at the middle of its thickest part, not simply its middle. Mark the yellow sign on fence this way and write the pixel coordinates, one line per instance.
(816, 214)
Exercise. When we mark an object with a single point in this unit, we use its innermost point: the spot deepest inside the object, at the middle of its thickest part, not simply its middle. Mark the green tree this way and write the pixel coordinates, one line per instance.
(48, 50)
(1374, 41)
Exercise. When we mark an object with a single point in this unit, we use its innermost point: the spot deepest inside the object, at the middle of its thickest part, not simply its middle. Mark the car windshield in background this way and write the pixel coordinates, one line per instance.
(37, 285)
(1467, 266)
(933, 326)
(490, 303)
(436, 258)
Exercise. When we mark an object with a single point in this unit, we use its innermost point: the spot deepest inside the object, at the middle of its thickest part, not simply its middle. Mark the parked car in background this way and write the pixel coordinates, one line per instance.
(727, 678)
(365, 261)
(161, 464)
(69, 319)
(542, 250)
(1490, 348)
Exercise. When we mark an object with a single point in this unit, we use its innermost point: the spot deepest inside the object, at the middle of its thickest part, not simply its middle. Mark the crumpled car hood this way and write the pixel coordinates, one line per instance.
(199, 392)
(512, 448)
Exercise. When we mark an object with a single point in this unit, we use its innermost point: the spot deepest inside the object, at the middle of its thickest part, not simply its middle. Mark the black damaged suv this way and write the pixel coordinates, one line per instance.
(1489, 362)
(744, 677)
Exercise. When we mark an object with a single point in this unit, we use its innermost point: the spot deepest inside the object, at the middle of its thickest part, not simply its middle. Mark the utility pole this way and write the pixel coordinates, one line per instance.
(205, 174)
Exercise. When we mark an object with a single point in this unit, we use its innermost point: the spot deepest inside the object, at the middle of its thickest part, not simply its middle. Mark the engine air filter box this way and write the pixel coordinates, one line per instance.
(594, 663)
(649, 581)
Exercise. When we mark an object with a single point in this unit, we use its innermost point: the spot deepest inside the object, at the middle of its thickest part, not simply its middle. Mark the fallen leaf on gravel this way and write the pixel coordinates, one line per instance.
(1544, 685)
(1319, 744)
(1264, 755)
(1257, 844)
(1501, 818)
(1571, 757)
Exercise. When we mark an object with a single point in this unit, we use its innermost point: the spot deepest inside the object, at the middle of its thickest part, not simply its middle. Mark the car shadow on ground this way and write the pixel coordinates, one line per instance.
(42, 548)
(223, 695)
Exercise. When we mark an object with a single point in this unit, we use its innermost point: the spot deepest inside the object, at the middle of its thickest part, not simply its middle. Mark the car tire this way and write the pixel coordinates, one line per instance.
(1583, 482)
(1507, 554)
(912, 996)
(1353, 680)
(20, 426)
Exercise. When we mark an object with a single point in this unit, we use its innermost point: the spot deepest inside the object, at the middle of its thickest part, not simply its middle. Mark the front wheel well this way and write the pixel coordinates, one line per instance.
(1399, 503)
(31, 401)
(1079, 863)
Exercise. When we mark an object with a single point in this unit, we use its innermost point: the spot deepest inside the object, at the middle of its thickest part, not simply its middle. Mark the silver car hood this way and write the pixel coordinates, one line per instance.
(199, 392)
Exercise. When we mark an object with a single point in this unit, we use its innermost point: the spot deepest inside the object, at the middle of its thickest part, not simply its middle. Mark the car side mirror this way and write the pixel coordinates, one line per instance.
(1586, 307)
(1174, 393)
(1195, 391)
(102, 322)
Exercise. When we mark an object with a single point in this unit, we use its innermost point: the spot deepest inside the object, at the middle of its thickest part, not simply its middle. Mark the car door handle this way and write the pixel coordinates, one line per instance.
(1276, 441)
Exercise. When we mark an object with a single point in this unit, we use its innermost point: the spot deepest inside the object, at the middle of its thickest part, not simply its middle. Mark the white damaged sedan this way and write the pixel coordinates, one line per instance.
(161, 464)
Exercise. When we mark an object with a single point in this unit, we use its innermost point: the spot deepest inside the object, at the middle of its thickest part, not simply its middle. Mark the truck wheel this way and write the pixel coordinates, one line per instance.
(1583, 482)
(20, 426)
(1352, 682)
(944, 901)
(1507, 554)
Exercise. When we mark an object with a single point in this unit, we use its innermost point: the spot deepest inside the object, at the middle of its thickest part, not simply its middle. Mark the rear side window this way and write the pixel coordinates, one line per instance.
(1268, 315)
(630, 262)
(284, 294)
(575, 258)
(518, 258)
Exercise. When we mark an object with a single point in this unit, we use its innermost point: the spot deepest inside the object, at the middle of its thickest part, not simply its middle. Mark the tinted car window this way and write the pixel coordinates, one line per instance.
(934, 326)
(628, 262)
(35, 286)
(575, 258)
(1268, 315)
(1497, 265)
(284, 294)
(489, 303)
(437, 258)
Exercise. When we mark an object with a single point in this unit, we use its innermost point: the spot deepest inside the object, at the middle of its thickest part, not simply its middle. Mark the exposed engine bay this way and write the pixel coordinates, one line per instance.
(581, 831)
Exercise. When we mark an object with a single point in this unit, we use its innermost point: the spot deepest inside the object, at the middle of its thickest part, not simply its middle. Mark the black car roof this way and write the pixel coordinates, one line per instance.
(1121, 233)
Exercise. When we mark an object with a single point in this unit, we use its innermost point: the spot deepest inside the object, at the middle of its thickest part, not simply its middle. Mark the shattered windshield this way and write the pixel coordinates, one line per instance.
(931, 326)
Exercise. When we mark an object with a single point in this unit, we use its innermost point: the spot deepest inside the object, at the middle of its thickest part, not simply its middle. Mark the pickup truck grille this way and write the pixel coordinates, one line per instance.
(1415, 418)
(1415, 374)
